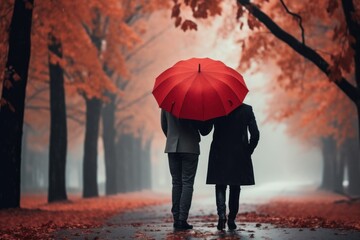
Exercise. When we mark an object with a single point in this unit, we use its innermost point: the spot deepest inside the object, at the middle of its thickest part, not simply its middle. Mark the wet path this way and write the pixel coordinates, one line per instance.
(156, 223)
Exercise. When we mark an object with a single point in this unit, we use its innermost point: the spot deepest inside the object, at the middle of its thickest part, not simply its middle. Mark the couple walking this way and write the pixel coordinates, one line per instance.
(229, 160)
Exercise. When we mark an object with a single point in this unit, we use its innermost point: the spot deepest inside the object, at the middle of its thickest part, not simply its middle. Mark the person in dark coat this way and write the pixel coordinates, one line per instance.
(182, 146)
(230, 159)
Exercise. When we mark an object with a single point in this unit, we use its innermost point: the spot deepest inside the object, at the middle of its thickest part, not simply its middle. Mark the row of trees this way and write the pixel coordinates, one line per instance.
(316, 48)
(79, 51)
(133, 166)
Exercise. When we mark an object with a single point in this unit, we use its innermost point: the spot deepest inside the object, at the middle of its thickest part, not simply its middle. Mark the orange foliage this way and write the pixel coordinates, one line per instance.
(301, 94)
(6, 8)
(78, 25)
(312, 107)
(199, 9)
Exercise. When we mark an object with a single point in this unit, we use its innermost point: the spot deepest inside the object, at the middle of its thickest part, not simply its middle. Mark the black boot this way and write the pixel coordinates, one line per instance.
(220, 191)
(182, 225)
(221, 224)
(231, 224)
(233, 205)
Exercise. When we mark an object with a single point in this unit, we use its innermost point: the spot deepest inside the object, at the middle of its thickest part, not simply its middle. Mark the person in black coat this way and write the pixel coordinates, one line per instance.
(230, 159)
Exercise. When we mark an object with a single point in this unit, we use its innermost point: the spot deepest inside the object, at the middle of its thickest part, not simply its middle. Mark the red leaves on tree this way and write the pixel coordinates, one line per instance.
(175, 11)
(199, 9)
(332, 6)
(178, 21)
(240, 12)
(188, 25)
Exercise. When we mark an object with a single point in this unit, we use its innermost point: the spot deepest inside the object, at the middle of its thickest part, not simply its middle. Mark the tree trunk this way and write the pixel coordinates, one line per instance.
(121, 165)
(12, 103)
(25, 156)
(340, 167)
(58, 127)
(93, 111)
(147, 164)
(353, 168)
(329, 161)
(109, 133)
(124, 163)
(136, 164)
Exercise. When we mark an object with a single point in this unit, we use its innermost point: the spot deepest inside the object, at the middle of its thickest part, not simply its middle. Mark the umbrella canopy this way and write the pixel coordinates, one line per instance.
(199, 89)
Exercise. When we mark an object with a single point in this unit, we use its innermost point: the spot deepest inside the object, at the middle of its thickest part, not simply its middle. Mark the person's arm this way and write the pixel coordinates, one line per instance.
(163, 122)
(254, 132)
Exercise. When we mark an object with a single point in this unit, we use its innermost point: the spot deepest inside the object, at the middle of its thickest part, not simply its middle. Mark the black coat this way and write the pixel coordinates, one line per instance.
(230, 153)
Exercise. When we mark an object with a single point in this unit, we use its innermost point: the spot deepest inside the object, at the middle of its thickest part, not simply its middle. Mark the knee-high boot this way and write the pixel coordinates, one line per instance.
(220, 193)
(234, 196)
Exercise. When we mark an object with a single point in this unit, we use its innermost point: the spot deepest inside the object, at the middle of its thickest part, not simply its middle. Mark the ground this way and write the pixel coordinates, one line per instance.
(146, 215)
(38, 220)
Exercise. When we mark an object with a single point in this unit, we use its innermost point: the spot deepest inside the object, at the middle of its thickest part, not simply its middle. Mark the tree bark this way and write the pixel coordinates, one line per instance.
(93, 112)
(147, 164)
(12, 103)
(120, 168)
(340, 168)
(329, 160)
(124, 161)
(108, 120)
(136, 163)
(58, 126)
(353, 168)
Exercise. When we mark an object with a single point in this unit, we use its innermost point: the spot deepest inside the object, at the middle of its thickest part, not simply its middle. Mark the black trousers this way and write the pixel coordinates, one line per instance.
(183, 169)
(234, 195)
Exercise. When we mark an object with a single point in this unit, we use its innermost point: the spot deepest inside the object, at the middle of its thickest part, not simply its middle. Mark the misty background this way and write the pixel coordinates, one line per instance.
(278, 159)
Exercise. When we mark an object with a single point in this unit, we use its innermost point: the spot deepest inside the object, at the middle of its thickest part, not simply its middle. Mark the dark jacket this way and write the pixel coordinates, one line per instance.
(182, 135)
(230, 153)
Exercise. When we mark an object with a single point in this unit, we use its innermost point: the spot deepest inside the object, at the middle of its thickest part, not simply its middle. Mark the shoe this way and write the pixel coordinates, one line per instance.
(182, 225)
(231, 224)
(221, 224)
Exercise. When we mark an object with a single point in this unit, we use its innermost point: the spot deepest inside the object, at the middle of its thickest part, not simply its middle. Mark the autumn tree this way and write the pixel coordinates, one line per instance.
(291, 23)
(58, 126)
(12, 103)
(319, 115)
(128, 37)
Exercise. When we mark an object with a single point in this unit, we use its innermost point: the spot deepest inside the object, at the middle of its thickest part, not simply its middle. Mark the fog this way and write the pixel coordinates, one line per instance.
(279, 160)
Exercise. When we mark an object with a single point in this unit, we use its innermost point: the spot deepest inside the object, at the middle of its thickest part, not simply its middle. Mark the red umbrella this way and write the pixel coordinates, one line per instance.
(199, 89)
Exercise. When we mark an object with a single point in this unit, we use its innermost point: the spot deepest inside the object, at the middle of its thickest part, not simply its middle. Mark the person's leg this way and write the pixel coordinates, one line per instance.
(189, 166)
(220, 195)
(233, 205)
(175, 166)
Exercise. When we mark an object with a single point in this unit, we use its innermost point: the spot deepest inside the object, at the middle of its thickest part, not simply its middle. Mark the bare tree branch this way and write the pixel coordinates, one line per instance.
(302, 49)
(122, 121)
(46, 108)
(36, 93)
(150, 40)
(133, 101)
(298, 18)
